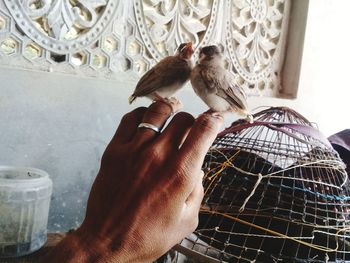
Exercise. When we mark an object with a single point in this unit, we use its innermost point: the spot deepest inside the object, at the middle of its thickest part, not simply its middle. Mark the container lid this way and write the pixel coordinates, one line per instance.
(20, 176)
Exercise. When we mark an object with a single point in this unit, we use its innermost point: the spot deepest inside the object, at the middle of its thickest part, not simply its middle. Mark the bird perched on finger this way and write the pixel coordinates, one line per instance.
(166, 77)
(215, 85)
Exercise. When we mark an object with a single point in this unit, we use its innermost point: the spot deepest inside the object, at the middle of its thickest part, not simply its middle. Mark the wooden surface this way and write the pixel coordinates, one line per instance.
(52, 240)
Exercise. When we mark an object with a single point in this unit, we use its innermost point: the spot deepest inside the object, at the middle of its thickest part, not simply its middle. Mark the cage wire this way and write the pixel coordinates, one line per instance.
(275, 191)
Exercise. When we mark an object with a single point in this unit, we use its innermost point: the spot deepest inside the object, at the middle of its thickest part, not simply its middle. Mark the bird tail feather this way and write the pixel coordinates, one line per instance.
(131, 99)
(246, 114)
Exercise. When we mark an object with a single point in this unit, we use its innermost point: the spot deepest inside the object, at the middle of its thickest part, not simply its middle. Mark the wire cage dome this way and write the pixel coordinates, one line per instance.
(275, 191)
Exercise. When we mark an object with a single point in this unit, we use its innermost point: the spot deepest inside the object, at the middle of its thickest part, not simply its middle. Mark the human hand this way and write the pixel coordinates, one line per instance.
(148, 192)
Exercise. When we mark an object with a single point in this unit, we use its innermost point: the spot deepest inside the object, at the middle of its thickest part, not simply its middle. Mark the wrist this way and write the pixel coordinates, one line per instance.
(95, 249)
(101, 249)
(79, 247)
(70, 249)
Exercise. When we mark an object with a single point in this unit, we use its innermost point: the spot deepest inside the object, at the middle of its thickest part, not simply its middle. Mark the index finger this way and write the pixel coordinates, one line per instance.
(199, 139)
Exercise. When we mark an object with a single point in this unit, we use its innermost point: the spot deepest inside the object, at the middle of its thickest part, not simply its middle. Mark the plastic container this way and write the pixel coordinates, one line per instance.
(24, 207)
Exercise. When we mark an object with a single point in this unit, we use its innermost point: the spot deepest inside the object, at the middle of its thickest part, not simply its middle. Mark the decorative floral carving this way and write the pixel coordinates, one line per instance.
(61, 25)
(254, 36)
(63, 16)
(167, 23)
(111, 36)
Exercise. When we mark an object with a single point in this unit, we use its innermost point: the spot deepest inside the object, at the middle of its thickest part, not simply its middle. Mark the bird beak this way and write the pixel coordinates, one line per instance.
(201, 57)
(189, 46)
(187, 50)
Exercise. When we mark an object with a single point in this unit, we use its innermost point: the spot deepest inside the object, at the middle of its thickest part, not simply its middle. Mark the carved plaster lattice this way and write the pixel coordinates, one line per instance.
(105, 37)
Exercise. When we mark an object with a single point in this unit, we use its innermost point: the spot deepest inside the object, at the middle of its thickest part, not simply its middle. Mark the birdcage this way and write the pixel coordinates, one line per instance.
(275, 191)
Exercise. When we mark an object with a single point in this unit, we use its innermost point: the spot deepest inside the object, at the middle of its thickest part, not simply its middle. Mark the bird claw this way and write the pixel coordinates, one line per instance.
(172, 102)
(249, 118)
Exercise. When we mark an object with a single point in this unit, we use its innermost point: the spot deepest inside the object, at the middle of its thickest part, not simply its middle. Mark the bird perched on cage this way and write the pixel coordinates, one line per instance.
(166, 77)
(215, 85)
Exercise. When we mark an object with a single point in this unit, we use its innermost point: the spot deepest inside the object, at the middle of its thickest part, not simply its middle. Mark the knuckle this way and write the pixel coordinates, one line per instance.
(181, 174)
(139, 110)
(127, 117)
(159, 109)
(156, 115)
(184, 116)
(193, 223)
(107, 159)
(201, 191)
(111, 154)
(154, 154)
(134, 114)
(207, 123)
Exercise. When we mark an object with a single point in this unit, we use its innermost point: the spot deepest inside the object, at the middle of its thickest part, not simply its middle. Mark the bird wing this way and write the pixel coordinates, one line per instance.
(222, 83)
(167, 72)
(235, 93)
(210, 78)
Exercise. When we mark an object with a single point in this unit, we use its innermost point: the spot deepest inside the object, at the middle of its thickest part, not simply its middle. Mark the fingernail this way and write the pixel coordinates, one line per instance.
(213, 119)
(214, 114)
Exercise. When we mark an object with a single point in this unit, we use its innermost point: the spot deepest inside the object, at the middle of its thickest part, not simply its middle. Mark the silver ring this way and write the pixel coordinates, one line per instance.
(149, 126)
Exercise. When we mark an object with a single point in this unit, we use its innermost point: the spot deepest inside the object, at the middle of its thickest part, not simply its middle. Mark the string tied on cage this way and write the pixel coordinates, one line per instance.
(260, 177)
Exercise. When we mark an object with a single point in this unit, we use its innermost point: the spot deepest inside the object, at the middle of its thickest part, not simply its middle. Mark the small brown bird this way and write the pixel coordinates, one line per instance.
(215, 85)
(166, 77)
